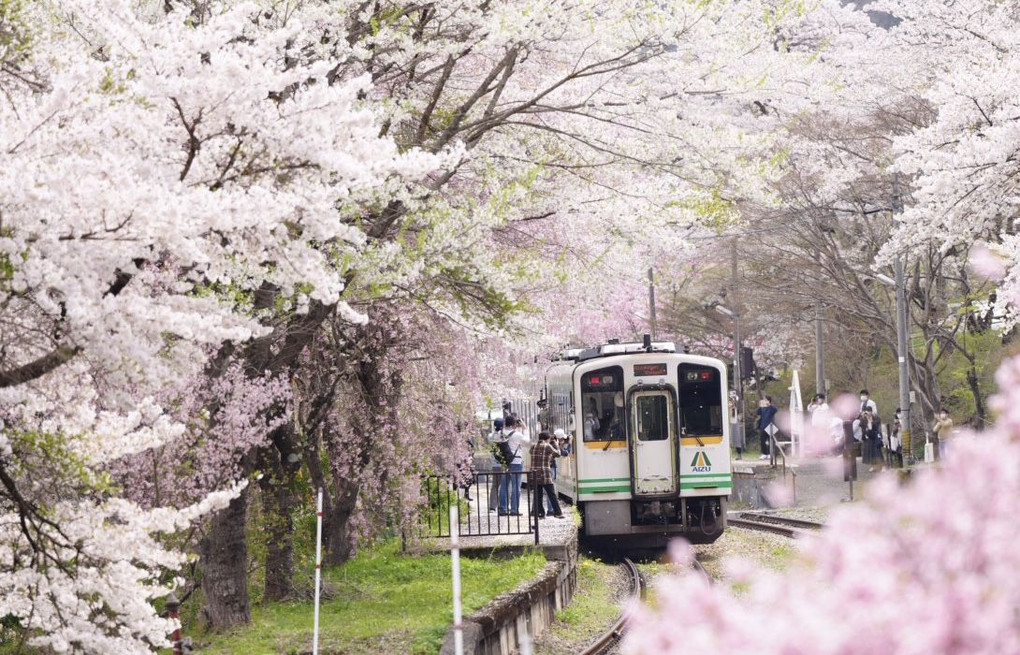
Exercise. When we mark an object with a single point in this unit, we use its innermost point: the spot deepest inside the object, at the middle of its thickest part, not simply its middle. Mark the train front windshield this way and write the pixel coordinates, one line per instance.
(700, 400)
(602, 404)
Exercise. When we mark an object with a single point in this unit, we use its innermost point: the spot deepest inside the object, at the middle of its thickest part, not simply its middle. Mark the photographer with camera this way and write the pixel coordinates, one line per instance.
(543, 454)
(510, 489)
(496, 468)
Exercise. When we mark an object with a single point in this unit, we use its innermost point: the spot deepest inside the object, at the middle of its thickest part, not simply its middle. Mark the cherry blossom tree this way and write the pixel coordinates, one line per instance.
(243, 237)
(827, 232)
(161, 168)
(401, 408)
(485, 242)
(934, 574)
(960, 164)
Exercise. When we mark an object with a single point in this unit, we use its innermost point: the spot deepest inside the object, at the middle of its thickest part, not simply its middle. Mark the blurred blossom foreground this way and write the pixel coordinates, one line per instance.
(932, 567)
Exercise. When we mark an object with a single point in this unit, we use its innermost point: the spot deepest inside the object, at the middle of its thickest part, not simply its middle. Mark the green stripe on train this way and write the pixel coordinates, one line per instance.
(610, 489)
(627, 489)
(587, 480)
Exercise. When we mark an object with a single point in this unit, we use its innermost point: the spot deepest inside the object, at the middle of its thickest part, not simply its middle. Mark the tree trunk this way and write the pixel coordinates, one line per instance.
(380, 391)
(341, 546)
(278, 501)
(225, 566)
(225, 551)
(980, 414)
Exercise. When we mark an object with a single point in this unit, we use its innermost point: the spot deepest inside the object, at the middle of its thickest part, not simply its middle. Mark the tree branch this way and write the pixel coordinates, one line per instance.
(39, 367)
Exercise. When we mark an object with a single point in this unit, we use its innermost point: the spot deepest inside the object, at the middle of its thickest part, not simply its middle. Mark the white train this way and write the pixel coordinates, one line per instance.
(651, 448)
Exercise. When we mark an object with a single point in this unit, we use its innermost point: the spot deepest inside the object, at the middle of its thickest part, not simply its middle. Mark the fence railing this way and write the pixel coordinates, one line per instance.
(486, 504)
(777, 448)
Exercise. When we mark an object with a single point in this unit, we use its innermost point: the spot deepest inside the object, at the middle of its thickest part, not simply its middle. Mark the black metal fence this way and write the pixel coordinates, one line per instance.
(486, 505)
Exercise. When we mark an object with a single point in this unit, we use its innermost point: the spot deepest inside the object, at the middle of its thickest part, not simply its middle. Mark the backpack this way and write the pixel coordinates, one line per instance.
(503, 454)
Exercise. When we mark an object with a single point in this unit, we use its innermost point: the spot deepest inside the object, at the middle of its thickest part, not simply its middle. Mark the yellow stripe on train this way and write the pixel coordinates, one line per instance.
(704, 441)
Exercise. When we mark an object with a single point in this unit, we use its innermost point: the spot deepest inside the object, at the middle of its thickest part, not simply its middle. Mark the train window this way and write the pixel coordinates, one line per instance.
(602, 406)
(701, 389)
(652, 417)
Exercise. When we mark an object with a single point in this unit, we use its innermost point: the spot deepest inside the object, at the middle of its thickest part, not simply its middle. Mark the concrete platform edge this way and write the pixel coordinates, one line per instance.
(500, 626)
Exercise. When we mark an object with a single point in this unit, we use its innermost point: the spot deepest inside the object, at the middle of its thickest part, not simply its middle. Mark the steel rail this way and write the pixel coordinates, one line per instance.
(762, 527)
(782, 520)
(697, 566)
(611, 637)
(790, 528)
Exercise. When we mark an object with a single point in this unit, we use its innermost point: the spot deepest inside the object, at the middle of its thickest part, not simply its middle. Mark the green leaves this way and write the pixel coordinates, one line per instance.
(15, 37)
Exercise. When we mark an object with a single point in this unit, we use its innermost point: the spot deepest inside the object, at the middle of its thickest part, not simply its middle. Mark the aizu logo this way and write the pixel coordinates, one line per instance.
(701, 463)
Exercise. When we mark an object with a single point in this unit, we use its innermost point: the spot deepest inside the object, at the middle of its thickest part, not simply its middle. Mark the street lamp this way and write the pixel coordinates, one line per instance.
(885, 279)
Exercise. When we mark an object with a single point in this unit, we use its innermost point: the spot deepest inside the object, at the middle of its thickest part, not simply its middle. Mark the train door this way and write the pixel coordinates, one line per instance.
(653, 442)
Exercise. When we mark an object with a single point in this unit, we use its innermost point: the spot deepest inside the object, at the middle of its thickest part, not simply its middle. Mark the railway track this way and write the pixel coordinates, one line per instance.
(610, 638)
(696, 565)
(786, 527)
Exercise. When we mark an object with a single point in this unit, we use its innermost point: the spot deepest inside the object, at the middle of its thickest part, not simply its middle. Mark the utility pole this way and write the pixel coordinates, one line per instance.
(738, 382)
(902, 337)
(651, 300)
(902, 354)
(819, 351)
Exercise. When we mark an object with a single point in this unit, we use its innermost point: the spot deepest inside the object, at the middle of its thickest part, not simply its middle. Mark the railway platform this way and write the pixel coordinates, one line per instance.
(808, 482)
(482, 528)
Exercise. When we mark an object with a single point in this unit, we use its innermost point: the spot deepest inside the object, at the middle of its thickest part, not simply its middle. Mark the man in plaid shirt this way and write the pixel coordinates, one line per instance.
(542, 455)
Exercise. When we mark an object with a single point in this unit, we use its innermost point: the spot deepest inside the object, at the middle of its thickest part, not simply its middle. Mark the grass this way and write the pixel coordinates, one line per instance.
(381, 602)
(593, 600)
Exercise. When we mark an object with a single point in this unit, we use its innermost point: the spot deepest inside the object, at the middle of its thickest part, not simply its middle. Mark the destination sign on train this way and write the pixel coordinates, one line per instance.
(650, 369)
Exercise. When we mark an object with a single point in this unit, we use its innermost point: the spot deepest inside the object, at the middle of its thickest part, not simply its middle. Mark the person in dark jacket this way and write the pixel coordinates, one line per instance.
(766, 414)
(871, 440)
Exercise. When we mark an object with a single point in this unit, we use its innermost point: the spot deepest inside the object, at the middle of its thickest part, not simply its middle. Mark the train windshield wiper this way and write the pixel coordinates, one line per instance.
(683, 433)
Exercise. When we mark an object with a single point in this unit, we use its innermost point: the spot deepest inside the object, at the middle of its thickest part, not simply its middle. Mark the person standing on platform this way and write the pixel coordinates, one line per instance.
(895, 449)
(497, 470)
(766, 414)
(510, 491)
(943, 429)
(827, 428)
(871, 440)
(819, 411)
(543, 454)
(868, 403)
